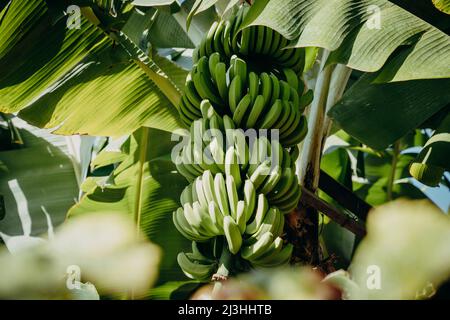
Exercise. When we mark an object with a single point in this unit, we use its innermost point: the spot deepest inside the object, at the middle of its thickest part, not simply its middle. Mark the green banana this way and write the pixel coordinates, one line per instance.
(249, 199)
(245, 41)
(219, 188)
(268, 41)
(285, 90)
(299, 134)
(275, 247)
(232, 166)
(291, 78)
(208, 187)
(260, 174)
(213, 60)
(217, 39)
(195, 270)
(209, 38)
(295, 98)
(226, 38)
(284, 116)
(255, 112)
(257, 249)
(285, 183)
(266, 88)
(191, 93)
(286, 131)
(241, 109)
(274, 42)
(200, 193)
(260, 31)
(241, 149)
(278, 259)
(275, 89)
(216, 216)
(261, 210)
(232, 234)
(220, 76)
(235, 93)
(253, 85)
(272, 180)
(240, 216)
(188, 109)
(232, 194)
(272, 116)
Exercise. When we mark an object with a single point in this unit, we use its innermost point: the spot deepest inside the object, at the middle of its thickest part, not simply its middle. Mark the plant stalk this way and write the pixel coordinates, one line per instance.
(390, 186)
(330, 86)
(224, 270)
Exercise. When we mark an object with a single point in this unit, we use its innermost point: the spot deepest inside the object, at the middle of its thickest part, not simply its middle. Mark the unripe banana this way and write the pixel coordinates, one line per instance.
(291, 78)
(257, 249)
(245, 41)
(275, 89)
(266, 88)
(216, 216)
(232, 234)
(241, 109)
(241, 216)
(235, 93)
(232, 166)
(255, 112)
(213, 60)
(249, 199)
(217, 40)
(275, 247)
(260, 31)
(253, 85)
(220, 76)
(222, 201)
(209, 39)
(261, 210)
(272, 116)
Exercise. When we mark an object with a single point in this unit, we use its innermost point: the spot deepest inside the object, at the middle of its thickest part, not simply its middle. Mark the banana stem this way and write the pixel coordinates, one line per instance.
(312, 145)
(224, 270)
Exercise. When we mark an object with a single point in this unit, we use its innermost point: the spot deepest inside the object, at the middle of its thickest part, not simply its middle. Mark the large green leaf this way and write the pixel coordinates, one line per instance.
(60, 77)
(38, 185)
(443, 5)
(351, 29)
(338, 240)
(432, 161)
(167, 33)
(378, 170)
(147, 186)
(380, 114)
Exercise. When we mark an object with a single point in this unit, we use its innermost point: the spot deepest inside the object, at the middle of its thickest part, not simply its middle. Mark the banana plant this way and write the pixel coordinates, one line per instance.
(101, 68)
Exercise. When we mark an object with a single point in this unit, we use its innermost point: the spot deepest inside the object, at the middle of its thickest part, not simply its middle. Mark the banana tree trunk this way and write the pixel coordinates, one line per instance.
(303, 223)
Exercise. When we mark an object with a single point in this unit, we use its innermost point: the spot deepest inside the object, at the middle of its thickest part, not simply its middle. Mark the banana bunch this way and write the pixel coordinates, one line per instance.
(212, 207)
(241, 183)
(227, 38)
(258, 101)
